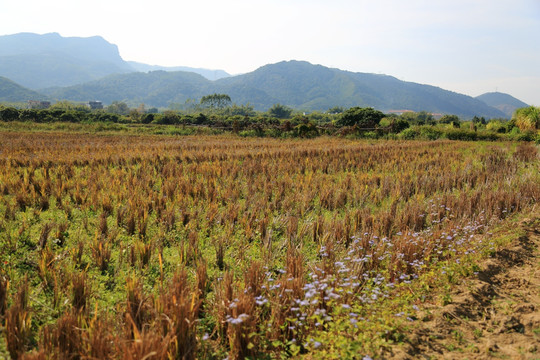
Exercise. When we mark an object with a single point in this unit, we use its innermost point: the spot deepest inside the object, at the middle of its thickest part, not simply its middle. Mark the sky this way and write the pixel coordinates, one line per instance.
(467, 46)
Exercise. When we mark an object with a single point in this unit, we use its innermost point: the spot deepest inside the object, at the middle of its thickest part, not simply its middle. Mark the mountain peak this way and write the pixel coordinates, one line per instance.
(38, 61)
(501, 101)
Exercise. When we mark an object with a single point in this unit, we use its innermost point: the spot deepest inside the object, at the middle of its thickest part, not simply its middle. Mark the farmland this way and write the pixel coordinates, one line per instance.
(145, 246)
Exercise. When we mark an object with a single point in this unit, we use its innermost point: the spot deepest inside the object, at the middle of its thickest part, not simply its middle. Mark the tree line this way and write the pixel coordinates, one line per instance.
(217, 111)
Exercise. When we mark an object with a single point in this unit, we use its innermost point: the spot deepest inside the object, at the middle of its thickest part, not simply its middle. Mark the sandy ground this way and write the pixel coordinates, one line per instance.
(495, 315)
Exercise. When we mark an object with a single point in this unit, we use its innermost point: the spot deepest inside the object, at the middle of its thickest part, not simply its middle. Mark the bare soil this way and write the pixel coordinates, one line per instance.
(494, 315)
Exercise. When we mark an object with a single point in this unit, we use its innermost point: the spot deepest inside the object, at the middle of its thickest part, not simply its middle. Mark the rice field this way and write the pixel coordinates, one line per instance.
(213, 247)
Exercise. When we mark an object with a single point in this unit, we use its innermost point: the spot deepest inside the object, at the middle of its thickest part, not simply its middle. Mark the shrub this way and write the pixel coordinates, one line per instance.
(168, 118)
(308, 130)
(409, 133)
(496, 126)
(147, 118)
(8, 114)
(461, 134)
(526, 136)
(487, 136)
(430, 133)
(364, 118)
(399, 125)
(449, 119)
(370, 135)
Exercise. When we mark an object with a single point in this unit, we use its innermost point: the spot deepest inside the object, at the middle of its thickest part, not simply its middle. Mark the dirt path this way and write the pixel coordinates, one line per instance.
(495, 315)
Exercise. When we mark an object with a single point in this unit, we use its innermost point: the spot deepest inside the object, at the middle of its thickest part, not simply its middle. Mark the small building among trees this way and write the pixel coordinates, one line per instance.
(95, 105)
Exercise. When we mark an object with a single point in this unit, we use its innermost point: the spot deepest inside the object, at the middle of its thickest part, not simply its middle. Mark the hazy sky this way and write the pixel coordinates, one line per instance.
(467, 46)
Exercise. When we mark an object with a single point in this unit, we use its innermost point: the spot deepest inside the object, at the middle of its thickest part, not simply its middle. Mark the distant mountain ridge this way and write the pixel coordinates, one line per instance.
(83, 69)
(38, 61)
(302, 85)
(297, 84)
(51, 60)
(207, 73)
(503, 102)
(156, 88)
(13, 92)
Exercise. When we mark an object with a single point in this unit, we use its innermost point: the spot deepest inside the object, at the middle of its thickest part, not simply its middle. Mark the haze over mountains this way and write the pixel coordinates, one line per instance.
(83, 69)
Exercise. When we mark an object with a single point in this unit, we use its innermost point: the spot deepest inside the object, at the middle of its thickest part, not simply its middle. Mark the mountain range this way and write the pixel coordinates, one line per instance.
(83, 69)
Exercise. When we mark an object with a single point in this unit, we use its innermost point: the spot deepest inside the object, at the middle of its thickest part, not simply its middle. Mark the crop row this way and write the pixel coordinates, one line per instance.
(198, 247)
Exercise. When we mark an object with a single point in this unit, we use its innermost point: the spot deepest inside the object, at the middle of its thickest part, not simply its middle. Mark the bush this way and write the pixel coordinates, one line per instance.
(497, 126)
(526, 136)
(487, 136)
(248, 133)
(399, 125)
(200, 119)
(8, 114)
(449, 119)
(308, 130)
(280, 111)
(147, 118)
(168, 118)
(461, 134)
(430, 133)
(370, 135)
(363, 118)
(409, 134)
(105, 117)
(72, 116)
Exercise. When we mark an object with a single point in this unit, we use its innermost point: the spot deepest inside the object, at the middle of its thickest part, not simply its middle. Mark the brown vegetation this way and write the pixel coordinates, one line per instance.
(164, 247)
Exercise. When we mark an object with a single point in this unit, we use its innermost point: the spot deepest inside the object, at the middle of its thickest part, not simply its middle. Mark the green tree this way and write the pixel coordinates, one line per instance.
(118, 107)
(423, 117)
(280, 111)
(216, 101)
(448, 119)
(336, 110)
(147, 118)
(169, 118)
(135, 115)
(479, 120)
(418, 118)
(362, 118)
(397, 125)
(243, 110)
